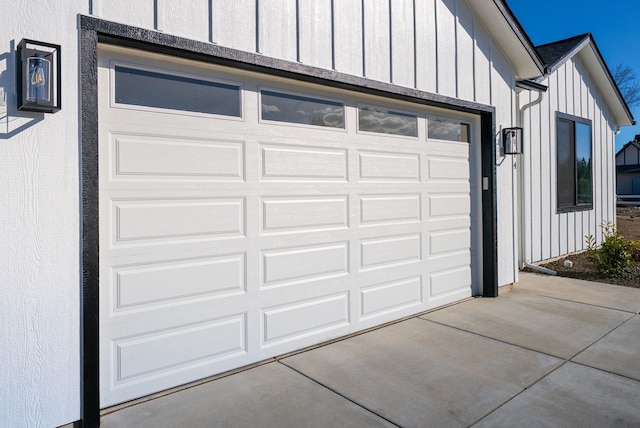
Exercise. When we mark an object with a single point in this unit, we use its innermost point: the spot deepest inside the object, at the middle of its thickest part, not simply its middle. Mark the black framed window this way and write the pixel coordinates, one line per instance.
(574, 163)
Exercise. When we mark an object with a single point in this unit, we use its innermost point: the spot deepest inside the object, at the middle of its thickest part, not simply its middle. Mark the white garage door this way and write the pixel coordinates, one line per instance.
(244, 216)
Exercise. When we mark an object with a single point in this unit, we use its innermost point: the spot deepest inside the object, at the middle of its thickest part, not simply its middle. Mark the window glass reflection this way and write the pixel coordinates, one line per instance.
(442, 129)
(172, 92)
(374, 119)
(583, 164)
(290, 108)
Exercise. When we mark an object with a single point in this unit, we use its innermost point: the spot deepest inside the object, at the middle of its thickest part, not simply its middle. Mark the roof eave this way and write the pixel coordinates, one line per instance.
(620, 109)
(601, 75)
(509, 35)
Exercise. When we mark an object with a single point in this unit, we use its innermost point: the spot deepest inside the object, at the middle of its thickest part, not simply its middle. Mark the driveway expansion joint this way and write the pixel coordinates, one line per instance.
(337, 393)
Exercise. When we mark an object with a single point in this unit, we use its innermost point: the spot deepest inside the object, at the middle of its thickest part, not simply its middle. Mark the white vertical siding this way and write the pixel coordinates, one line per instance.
(191, 18)
(465, 52)
(502, 95)
(402, 42)
(234, 24)
(377, 40)
(446, 52)
(277, 29)
(610, 170)
(546, 182)
(438, 46)
(315, 32)
(534, 181)
(426, 46)
(553, 96)
(599, 150)
(140, 13)
(347, 24)
(553, 234)
(482, 65)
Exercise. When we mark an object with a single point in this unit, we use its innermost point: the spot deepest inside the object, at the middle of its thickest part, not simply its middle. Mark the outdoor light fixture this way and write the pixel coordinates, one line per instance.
(512, 141)
(38, 72)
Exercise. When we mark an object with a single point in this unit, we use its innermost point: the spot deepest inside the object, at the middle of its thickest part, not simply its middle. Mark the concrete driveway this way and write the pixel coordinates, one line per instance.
(551, 352)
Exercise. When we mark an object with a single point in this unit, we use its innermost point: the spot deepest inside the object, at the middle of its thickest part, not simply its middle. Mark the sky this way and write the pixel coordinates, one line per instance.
(615, 25)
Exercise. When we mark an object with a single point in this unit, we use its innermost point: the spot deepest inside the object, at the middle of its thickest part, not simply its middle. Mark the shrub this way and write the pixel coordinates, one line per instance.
(614, 256)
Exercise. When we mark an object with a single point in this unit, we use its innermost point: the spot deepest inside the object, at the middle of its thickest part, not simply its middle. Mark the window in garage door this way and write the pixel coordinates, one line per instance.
(225, 241)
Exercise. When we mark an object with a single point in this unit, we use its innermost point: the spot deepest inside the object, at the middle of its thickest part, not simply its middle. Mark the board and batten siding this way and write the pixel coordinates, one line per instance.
(548, 233)
(437, 46)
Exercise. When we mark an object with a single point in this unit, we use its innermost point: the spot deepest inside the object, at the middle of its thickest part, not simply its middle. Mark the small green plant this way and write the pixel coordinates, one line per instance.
(613, 257)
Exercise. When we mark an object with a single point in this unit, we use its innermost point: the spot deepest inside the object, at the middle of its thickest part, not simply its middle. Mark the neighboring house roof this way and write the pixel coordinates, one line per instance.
(557, 53)
(510, 36)
(629, 168)
(635, 144)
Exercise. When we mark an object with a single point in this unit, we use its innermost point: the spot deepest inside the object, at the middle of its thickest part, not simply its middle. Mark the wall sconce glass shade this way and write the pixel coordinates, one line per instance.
(38, 75)
(512, 141)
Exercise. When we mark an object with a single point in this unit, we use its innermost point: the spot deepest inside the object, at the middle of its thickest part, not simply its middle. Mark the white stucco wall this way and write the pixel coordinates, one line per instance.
(39, 230)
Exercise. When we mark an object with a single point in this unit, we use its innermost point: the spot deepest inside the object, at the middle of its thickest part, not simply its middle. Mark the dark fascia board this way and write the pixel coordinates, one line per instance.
(530, 85)
(134, 37)
(605, 67)
(589, 40)
(518, 30)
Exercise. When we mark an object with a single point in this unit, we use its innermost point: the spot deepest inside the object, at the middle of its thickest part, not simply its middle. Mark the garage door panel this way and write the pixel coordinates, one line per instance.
(387, 297)
(303, 213)
(389, 167)
(452, 280)
(448, 148)
(290, 322)
(154, 157)
(377, 253)
(383, 230)
(297, 163)
(449, 205)
(448, 261)
(384, 209)
(227, 242)
(135, 287)
(448, 187)
(296, 264)
(448, 169)
(147, 220)
(450, 240)
(162, 350)
(390, 273)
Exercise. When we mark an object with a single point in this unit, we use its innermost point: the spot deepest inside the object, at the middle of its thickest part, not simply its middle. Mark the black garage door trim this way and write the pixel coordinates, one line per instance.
(93, 30)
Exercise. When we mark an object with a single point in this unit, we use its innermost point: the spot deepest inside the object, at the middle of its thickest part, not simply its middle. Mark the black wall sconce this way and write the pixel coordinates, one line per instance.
(512, 141)
(39, 76)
